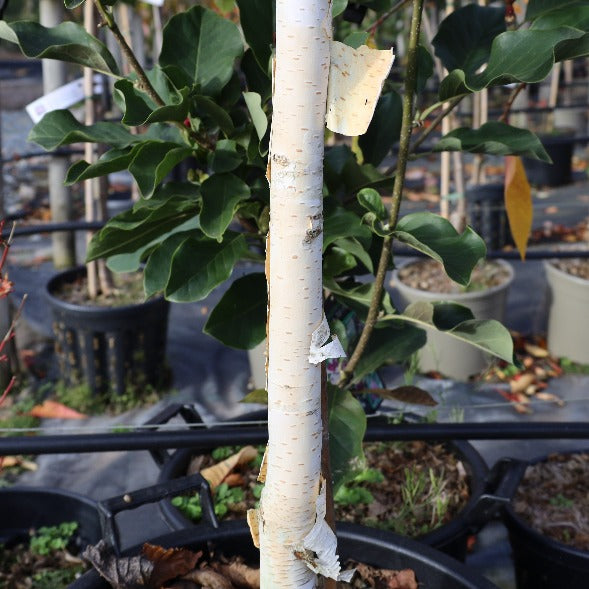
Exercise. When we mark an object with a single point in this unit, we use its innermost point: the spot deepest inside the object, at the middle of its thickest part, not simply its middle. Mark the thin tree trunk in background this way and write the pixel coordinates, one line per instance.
(288, 504)
(55, 75)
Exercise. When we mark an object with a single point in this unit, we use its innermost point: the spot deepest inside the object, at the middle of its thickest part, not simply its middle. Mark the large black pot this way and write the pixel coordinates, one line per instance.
(451, 538)
(541, 562)
(108, 347)
(25, 508)
(560, 148)
(372, 547)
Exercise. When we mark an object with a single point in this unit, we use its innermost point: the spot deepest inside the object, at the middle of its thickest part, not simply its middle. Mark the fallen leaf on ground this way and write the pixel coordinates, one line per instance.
(387, 578)
(54, 410)
(406, 394)
(216, 474)
(209, 579)
(240, 574)
(9, 461)
(169, 563)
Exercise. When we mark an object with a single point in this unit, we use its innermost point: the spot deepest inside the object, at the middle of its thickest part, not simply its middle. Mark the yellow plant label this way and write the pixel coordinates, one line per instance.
(518, 202)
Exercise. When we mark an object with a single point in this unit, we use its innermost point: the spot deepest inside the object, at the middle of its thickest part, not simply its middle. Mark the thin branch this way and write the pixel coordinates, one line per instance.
(405, 138)
(372, 28)
(507, 108)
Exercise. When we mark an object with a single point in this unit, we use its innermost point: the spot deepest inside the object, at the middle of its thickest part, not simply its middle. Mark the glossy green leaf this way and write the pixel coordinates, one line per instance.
(226, 157)
(354, 247)
(371, 200)
(338, 6)
(205, 107)
(145, 222)
(253, 102)
(436, 237)
(524, 55)
(60, 127)
(536, 8)
(425, 68)
(389, 344)
(200, 265)
(200, 47)
(384, 129)
(347, 426)
(67, 41)
(135, 104)
(571, 14)
(257, 79)
(239, 318)
(152, 161)
(257, 19)
(221, 195)
(487, 334)
(175, 111)
(356, 39)
(357, 296)
(342, 223)
(111, 161)
(337, 261)
(494, 138)
(464, 38)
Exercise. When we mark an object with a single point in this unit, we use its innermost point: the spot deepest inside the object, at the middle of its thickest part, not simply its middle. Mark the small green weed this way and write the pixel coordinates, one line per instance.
(561, 501)
(48, 539)
(353, 496)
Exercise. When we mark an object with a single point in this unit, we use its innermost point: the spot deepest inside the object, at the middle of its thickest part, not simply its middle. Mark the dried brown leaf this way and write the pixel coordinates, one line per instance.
(216, 474)
(240, 574)
(406, 394)
(169, 563)
(132, 572)
(520, 384)
(208, 578)
(536, 351)
(387, 578)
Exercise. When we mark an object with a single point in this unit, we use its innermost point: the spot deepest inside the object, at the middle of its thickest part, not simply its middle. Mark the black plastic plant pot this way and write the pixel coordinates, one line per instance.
(372, 547)
(23, 509)
(541, 562)
(108, 347)
(451, 538)
(560, 149)
(487, 216)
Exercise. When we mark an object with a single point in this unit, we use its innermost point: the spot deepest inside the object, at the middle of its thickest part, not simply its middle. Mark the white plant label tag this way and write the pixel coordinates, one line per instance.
(155, 2)
(321, 349)
(62, 97)
(356, 77)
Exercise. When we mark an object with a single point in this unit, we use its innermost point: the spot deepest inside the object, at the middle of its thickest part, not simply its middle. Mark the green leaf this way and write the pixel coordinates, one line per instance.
(197, 266)
(389, 344)
(338, 6)
(354, 247)
(132, 102)
(67, 41)
(372, 202)
(152, 161)
(486, 334)
(259, 396)
(356, 39)
(342, 223)
(494, 138)
(257, 79)
(425, 68)
(337, 261)
(239, 318)
(347, 426)
(257, 19)
(436, 237)
(464, 38)
(384, 129)
(200, 47)
(221, 195)
(111, 161)
(225, 158)
(357, 296)
(145, 222)
(205, 107)
(253, 102)
(60, 127)
(572, 14)
(525, 55)
(538, 7)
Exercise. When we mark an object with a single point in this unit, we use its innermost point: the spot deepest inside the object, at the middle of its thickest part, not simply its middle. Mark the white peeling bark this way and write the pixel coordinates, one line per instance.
(288, 505)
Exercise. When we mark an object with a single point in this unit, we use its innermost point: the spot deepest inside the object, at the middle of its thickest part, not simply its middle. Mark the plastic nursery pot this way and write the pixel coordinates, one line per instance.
(450, 538)
(487, 216)
(568, 319)
(26, 508)
(541, 562)
(442, 352)
(560, 148)
(108, 347)
(432, 569)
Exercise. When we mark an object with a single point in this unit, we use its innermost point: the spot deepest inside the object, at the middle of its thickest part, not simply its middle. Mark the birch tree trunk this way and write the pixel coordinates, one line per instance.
(288, 506)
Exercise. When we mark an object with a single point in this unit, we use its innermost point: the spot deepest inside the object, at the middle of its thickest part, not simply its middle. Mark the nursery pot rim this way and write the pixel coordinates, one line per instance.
(557, 272)
(516, 523)
(458, 296)
(239, 533)
(73, 273)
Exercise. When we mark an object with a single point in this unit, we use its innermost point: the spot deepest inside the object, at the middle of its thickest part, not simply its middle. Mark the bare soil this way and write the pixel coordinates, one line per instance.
(430, 276)
(578, 267)
(553, 498)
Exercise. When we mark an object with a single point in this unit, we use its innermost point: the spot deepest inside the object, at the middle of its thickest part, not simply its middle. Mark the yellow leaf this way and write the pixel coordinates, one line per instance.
(518, 202)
